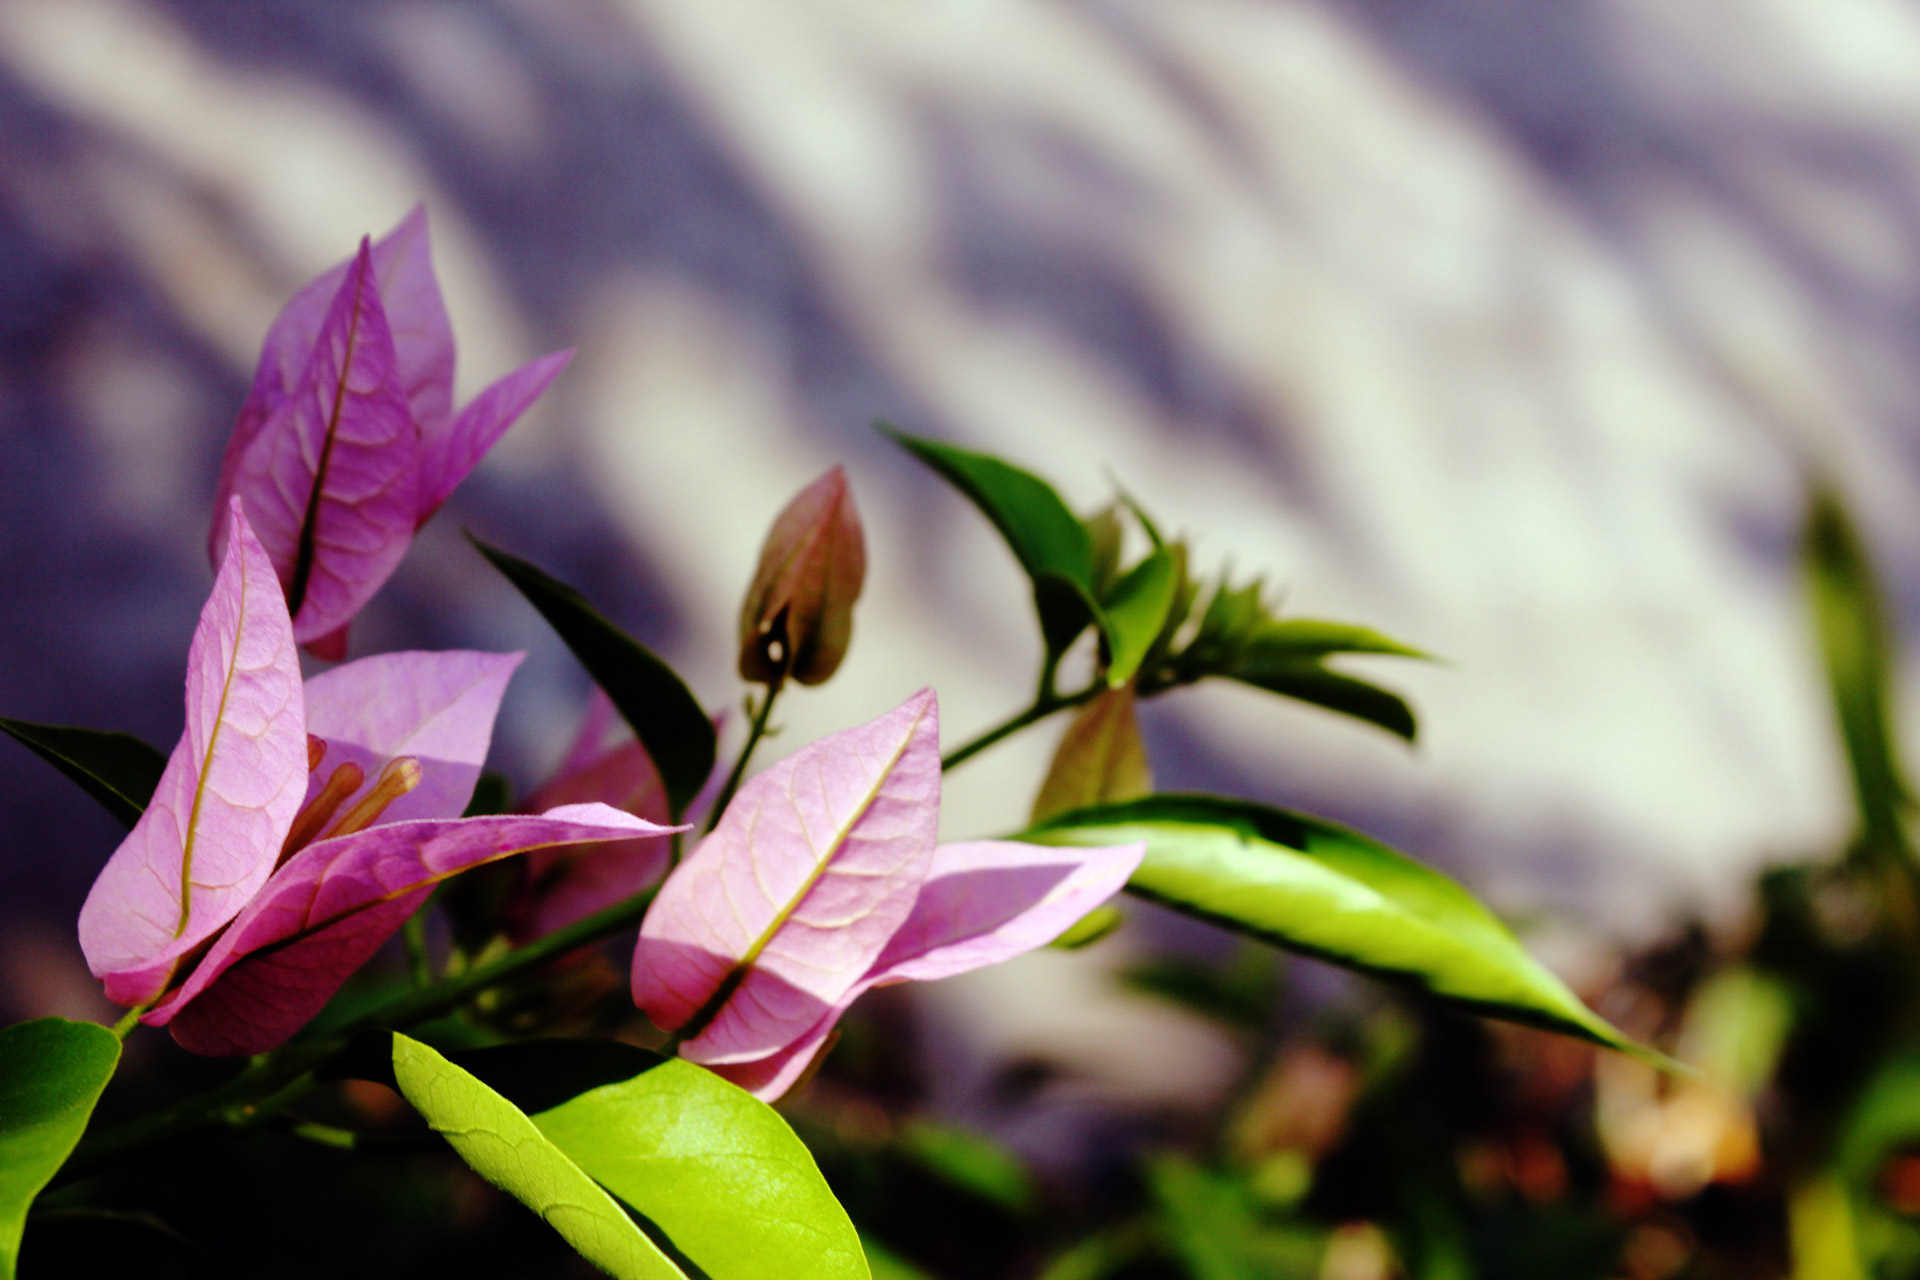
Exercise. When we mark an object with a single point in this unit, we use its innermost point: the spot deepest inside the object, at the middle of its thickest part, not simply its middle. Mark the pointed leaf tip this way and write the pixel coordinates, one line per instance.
(1329, 892)
(116, 769)
(649, 696)
(208, 838)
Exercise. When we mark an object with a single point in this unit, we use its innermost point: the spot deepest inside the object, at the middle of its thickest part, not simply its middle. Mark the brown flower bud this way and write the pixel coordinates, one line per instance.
(798, 614)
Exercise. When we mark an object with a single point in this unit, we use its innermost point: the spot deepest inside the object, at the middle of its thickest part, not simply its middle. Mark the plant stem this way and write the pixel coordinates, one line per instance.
(125, 1026)
(1045, 704)
(754, 734)
(414, 934)
(274, 1080)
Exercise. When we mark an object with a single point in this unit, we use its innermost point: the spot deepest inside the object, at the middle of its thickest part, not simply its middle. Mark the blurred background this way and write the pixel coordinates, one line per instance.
(1512, 328)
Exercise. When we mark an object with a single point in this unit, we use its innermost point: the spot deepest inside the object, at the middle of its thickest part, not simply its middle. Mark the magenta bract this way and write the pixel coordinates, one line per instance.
(352, 788)
(348, 440)
(823, 880)
(570, 882)
(209, 837)
(331, 907)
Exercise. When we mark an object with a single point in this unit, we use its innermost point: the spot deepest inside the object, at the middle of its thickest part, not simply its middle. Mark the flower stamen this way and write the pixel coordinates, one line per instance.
(401, 775)
(343, 782)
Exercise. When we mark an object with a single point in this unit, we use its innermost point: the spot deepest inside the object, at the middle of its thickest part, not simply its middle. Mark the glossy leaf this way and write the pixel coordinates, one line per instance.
(1101, 760)
(797, 617)
(330, 479)
(436, 708)
(775, 916)
(1348, 695)
(117, 769)
(210, 835)
(506, 1148)
(1329, 892)
(650, 697)
(52, 1072)
(1136, 611)
(331, 907)
(718, 1178)
(1046, 538)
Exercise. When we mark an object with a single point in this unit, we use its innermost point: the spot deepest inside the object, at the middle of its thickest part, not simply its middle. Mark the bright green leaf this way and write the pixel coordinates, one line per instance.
(1136, 609)
(1046, 538)
(51, 1074)
(1090, 928)
(1297, 638)
(117, 769)
(1329, 892)
(649, 696)
(506, 1148)
(717, 1175)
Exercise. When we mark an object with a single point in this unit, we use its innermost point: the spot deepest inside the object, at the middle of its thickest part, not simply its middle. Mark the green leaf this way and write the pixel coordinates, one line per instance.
(1286, 657)
(117, 769)
(51, 1074)
(507, 1149)
(651, 698)
(1850, 616)
(1136, 609)
(717, 1176)
(971, 1162)
(1329, 892)
(1348, 695)
(1046, 538)
(1310, 638)
(1216, 1229)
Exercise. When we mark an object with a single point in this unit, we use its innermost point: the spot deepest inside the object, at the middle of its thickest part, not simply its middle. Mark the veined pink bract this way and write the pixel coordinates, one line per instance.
(293, 832)
(209, 837)
(348, 440)
(822, 880)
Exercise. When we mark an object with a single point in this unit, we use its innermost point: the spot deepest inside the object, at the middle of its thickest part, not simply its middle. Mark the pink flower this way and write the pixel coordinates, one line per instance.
(295, 829)
(824, 879)
(348, 440)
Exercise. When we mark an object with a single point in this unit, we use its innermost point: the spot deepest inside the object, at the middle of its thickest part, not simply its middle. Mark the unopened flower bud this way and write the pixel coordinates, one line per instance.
(798, 615)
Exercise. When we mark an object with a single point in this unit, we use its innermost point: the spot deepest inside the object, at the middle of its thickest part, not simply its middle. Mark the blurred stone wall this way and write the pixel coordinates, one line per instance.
(1509, 327)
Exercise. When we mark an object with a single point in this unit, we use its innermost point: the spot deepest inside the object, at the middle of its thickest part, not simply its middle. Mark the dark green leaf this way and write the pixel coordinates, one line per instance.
(971, 1162)
(508, 1149)
(714, 1173)
(492, 794)
(1046, 538)
(117, 769)
(1329, 892)
(651, 698)
(1136, 611)
(51, 1074)
(1348, 695)
(1850, 616)
(1217, 1231)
